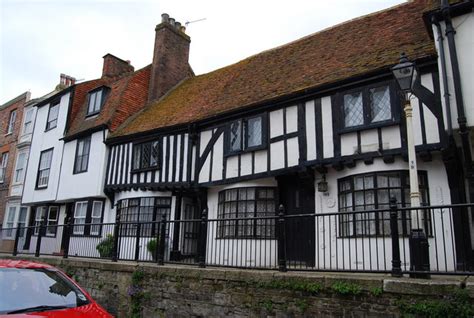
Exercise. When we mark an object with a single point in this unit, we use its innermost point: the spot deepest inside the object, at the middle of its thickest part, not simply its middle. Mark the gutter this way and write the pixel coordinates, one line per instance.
(444, 74)
(463, 130)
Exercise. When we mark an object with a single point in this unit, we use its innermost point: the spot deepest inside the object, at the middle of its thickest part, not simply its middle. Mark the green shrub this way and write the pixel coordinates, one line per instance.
(345, 288)
(106, 246)
(151, 247)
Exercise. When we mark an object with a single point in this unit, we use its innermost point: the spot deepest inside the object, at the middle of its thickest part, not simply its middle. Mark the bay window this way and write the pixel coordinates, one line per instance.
(372, 191)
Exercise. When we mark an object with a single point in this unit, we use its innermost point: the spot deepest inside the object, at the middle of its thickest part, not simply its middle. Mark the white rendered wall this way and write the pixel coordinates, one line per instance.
(85, 184)
(43, 140)
(329, 247)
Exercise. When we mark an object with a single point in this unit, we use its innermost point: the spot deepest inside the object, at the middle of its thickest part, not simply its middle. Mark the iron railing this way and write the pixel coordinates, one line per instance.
(422, 241)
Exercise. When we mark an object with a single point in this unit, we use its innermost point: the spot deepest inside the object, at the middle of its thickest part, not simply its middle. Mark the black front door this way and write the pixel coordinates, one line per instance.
(297, 196)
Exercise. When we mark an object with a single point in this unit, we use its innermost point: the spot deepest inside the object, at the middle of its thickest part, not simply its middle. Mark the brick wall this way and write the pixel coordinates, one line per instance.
(8, 144)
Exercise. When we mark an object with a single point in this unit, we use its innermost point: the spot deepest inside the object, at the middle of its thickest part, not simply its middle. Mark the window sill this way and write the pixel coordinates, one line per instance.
(247, 150)
(78, 172)
(92, 115)
(144, 169)
(385, 123)
(9, 133)
(48, 129)
(41, 188)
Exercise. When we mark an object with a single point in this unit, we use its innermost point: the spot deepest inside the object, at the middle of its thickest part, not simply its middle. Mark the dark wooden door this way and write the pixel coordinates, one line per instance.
(297, 196)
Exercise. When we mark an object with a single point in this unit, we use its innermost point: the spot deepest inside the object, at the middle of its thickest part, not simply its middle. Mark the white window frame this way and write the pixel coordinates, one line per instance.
(11, 122)
(53, 115)
(80, 220)
(94, 104)
(96, 219)
(20, 170)
(28, 122)
(3, 166)
(10, 221)
(50, 222)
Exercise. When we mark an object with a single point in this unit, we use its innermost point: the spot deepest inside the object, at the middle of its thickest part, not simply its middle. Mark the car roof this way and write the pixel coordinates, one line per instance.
(10, 263)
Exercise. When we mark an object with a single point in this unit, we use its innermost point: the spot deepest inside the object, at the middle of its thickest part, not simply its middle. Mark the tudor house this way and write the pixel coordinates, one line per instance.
(269, 130)
(315, 125)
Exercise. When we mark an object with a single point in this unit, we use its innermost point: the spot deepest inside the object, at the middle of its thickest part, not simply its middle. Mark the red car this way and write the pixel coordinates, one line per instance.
(31, 289)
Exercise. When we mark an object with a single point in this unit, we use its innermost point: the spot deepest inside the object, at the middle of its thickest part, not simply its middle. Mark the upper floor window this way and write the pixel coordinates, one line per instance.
(28, 123)
(20, 167)
(146, 155)
(52, 116)
(3, 166)
(367, 106)
(44, 168)
(50, 215)
(11, 121)
(246, 134)
(81, 160)
(95, 101)
(246, 203)
(372, 191)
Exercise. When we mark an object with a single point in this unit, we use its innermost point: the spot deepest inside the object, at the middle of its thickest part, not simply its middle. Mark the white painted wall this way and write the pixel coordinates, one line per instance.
(463, 26)
(85, 184)
(43, 140)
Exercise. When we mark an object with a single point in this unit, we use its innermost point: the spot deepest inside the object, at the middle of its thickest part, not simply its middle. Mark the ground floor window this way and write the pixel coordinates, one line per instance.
(144, 210)
(372, 191)
(50, 214)
(246, 203)
(88, 217)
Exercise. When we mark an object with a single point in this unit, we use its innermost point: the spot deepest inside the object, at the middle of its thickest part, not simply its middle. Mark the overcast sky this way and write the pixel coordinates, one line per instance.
(39, 39)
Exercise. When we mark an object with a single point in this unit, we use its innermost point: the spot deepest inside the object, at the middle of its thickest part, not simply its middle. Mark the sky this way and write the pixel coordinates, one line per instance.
(39, 39)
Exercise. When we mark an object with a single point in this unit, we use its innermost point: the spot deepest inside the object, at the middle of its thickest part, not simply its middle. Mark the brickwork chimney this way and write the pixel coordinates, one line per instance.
(114, 66)
(65, 81)
(170, 57)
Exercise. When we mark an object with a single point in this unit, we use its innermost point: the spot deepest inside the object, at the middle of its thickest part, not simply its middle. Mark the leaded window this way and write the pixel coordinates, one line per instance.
(146, 155)
(235, 205)
(145, 210)
(246, 134)
(367, 106)
(372, 191)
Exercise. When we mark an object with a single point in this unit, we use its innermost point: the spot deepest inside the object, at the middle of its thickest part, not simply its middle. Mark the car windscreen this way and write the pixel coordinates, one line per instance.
(33, 290)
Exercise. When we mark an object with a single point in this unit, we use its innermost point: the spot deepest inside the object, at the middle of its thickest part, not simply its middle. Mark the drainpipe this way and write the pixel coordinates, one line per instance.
(463, 130)
(442, 58)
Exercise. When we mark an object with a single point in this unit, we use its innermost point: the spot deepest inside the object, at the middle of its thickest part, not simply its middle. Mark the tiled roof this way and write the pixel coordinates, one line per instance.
(127, 96)
(353, 48)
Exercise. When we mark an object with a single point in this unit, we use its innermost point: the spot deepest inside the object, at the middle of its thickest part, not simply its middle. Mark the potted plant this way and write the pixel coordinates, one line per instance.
(151, 247)
(106, 246)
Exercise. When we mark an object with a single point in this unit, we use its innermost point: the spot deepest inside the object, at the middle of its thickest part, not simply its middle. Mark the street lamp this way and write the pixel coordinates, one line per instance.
(406, 74)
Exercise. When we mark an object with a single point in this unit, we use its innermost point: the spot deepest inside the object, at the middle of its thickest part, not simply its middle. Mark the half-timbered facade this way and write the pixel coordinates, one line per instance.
(323, 134)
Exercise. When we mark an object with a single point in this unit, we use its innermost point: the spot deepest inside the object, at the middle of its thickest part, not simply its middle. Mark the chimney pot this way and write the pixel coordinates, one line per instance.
(165, 17)
(171, 21)
(183, 29)
(177, 25)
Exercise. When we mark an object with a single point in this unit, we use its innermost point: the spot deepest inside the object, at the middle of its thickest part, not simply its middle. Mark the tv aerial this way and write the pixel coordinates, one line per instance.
(194, 21)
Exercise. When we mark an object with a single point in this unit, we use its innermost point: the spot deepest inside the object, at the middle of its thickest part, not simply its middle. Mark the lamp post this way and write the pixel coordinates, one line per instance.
(406, 74)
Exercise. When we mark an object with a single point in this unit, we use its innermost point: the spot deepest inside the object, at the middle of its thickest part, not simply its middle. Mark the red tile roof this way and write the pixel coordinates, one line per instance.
(353, 48)
(128, 94)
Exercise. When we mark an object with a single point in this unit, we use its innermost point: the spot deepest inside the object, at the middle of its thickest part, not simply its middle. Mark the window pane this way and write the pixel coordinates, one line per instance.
(236, 136)
(154, 154)
(353, 110)
(136, 156)
(380, 103)
(254, 132)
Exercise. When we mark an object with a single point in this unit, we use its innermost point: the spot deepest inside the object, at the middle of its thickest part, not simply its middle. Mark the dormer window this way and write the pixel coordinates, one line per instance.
(96, 100)
(246, 134)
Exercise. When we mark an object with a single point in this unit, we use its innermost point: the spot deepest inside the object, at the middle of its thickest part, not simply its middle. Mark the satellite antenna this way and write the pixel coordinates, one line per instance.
(189, 22)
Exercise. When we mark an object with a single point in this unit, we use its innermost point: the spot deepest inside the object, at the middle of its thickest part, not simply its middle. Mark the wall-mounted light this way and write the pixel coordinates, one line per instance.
(323, 185)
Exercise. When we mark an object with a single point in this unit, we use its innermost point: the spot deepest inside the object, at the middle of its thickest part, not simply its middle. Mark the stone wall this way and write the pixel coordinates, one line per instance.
(211, 292)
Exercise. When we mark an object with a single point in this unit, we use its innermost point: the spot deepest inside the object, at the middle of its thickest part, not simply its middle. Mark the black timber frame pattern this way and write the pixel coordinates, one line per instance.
(428, 98)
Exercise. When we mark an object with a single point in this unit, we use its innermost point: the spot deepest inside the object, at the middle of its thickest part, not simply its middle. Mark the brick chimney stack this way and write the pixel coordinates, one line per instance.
(170, 57)
(114, 66)
(65, 81)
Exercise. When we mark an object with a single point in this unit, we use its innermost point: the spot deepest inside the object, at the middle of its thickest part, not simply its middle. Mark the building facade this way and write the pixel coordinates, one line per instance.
(315, 126)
